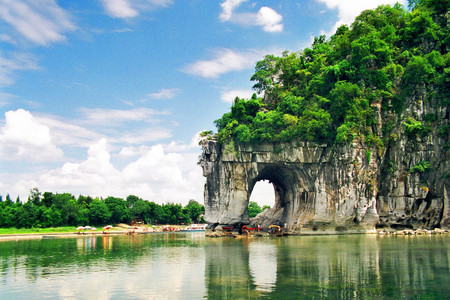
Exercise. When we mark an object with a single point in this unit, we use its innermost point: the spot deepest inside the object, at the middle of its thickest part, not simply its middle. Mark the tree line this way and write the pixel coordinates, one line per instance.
(54, 210)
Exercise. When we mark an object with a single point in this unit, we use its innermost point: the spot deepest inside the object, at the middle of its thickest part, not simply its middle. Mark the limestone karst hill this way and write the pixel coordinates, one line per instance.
(352, 132)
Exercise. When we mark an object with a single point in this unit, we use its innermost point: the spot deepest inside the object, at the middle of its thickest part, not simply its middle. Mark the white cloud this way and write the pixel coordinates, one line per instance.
(163, 172)
(125, 9)
(156, 175)
(113, 125)
(5, 98)
(24, 138)
(131, 151)
(29, 137)
(113, 121)
(16, 62)
(119, 8)
(143, 136)
(67, 133)
(164, 94)
(160, 172)
(7, 39)
(229, 96)
(270, 20)
(41, 22)
(114, 117)
(93, 175)
(228, 7)
(173, 146)
(266, 17)
(348, 10)
(224, 61)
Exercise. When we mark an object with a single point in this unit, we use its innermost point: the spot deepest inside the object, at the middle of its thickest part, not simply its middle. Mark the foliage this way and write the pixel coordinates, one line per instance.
(415, 128)
(205, 133)
(329, 92)
(421, 167)
(194, 211)
(368, 156)
(254, 209)
(52, 210)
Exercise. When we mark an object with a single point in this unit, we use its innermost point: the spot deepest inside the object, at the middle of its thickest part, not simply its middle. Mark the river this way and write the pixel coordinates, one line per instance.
(190, 266)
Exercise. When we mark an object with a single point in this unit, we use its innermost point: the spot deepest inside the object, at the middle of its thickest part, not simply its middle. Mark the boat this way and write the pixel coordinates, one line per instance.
(275, 230)
(196, 227)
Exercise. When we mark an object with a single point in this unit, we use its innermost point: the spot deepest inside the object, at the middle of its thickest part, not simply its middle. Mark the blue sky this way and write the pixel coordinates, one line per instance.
(106, 97)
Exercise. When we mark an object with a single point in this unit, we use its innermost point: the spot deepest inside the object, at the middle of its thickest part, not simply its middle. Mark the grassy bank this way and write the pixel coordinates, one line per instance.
(37, 230)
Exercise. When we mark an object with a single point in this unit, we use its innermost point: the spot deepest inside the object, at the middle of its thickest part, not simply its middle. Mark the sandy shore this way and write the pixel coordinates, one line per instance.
(31, 236)
(122, 229)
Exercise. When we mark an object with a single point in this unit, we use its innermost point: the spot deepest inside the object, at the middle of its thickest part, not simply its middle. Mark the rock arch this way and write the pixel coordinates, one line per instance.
(305, 187)
(317, 188)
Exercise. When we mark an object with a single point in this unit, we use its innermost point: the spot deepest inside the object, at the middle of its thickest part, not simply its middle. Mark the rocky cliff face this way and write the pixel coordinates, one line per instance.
(355, 187)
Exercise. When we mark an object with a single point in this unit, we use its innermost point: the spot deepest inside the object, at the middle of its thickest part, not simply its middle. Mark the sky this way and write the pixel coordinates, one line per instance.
(107, 97)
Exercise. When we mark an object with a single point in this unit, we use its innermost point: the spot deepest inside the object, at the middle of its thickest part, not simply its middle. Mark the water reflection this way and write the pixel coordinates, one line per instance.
(178, 266)
(263, 265)
(227, 269)
(337, 267)
(86, 245)
(107, 242)
(121, 267)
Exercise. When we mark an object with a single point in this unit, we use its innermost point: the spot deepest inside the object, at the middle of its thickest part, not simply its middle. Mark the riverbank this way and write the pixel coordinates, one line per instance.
(31, 236)
(124, 229)
(120, 229)
(436, 231)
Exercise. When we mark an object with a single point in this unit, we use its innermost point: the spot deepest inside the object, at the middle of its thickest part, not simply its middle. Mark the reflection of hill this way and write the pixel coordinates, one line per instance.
(344, 267)
(190, 266)
(263, 265)
(238, 269)
(334, 267)
(226, 270)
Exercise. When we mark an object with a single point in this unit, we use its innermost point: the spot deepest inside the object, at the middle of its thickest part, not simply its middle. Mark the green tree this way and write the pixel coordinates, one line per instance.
(8, 201)
(84, 201)
(35, 196)
(194, 210)
(156, 214)
(265, 73)
(131, 199)
(47, 199)
(99, 213)
(82, 218)
(140, 209)
(8, 216)
(173, 214)
(253, 209)
(118, 208)
(27, 215)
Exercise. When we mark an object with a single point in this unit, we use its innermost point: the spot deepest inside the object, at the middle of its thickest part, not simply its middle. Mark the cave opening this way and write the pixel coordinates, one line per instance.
(263, 194)
(280, 179)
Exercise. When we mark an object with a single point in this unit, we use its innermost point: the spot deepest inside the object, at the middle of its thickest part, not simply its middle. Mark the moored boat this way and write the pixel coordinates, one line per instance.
(196, 227)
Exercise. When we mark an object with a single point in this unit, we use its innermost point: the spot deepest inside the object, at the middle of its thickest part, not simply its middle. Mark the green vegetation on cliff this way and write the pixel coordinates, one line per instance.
(333, 91)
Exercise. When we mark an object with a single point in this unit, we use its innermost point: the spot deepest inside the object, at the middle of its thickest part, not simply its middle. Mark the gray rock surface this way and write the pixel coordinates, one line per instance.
(353, 188)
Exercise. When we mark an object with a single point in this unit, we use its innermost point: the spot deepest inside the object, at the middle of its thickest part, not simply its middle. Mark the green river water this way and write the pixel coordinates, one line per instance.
(190, 266)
